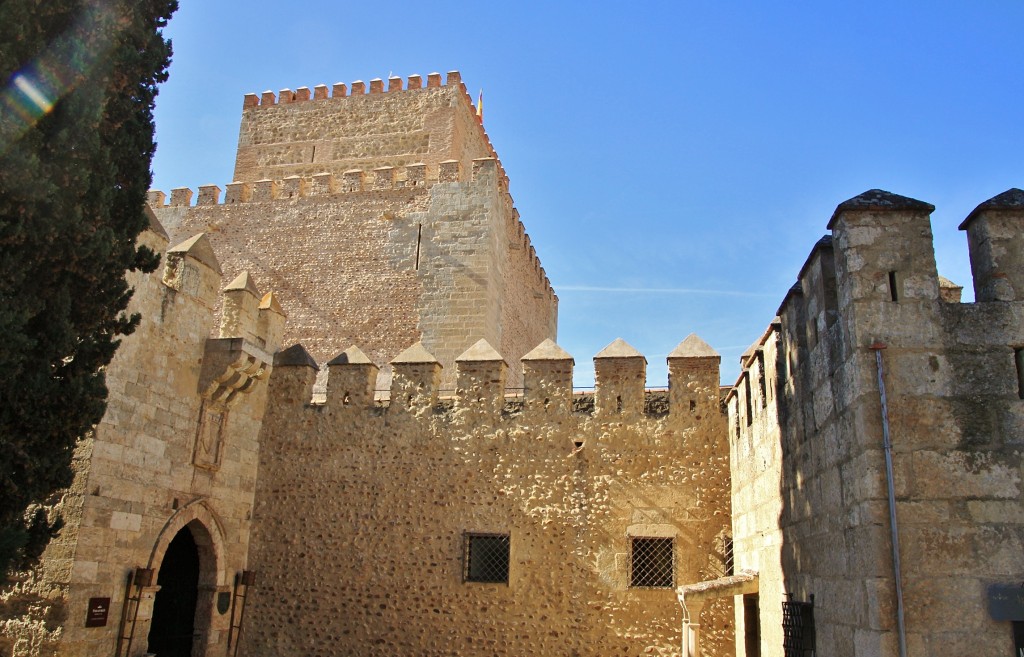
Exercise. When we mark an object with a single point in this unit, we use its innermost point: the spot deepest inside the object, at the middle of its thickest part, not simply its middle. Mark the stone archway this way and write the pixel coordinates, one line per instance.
(172, 627)
(188, 564)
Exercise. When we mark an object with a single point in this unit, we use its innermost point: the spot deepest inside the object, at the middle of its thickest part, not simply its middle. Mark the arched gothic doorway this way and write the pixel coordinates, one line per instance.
(173, 626)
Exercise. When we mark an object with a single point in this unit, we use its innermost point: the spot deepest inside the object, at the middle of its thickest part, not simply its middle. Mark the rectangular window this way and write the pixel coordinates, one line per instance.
(762, 379)
(798, 636)
(752, 625)
(653, 563)
(746, 397)
(486, 558)
(1018, 358)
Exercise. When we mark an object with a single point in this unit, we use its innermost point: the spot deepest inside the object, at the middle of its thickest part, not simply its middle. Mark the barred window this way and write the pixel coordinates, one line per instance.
(798, 636)
(485, 558)
(653, 563)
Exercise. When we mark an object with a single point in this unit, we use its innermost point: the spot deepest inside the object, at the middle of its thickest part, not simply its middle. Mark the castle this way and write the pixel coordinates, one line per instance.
(384, 454)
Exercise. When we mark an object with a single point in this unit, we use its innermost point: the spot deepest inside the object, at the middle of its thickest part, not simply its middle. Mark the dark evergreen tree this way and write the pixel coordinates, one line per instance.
(76, 141)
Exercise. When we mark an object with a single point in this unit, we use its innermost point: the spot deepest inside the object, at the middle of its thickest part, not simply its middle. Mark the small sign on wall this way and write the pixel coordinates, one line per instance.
(223, 602)
(1006, 602)
(99, 608)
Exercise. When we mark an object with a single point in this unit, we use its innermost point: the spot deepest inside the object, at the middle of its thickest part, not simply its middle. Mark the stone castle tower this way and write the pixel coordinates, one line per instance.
(382, 218)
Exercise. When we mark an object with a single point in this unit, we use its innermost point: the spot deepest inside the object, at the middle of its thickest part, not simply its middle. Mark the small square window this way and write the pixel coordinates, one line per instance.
(486, 558)
(653, 563)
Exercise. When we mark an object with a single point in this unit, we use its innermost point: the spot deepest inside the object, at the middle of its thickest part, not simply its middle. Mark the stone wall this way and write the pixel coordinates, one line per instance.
(379, 249)
(809, 475)
(295, 133)
(362, 509)
(154, 464)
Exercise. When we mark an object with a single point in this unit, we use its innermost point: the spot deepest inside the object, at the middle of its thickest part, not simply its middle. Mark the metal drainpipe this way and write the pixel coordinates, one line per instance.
(877, 348)
(684, 640)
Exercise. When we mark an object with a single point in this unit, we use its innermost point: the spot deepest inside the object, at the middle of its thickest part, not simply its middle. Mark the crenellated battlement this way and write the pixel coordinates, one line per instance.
(357, 185)
(876, 398)
(415, 176)
(283, 133)
(619, 395)
(340, 90)
(873, 281)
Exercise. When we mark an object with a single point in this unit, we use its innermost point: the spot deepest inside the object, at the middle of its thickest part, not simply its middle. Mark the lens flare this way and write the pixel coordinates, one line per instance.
(31, 93)
(42, 104)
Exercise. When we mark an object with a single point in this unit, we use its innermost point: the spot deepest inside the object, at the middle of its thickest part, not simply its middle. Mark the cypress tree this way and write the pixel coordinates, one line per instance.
(76, 141)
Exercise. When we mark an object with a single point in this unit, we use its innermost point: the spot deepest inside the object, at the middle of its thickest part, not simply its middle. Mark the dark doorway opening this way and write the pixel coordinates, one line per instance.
(752, 624)
(174, 609)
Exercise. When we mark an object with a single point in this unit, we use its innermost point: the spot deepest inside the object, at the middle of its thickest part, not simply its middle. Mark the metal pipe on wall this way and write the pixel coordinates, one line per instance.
(901, 627)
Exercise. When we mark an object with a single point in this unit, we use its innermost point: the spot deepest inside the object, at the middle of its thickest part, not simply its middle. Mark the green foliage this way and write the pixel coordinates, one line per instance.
(73, 182)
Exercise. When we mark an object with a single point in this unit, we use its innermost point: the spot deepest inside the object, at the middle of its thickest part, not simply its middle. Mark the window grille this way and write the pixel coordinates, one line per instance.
(798, 628)
(486, 558)
(653, 563)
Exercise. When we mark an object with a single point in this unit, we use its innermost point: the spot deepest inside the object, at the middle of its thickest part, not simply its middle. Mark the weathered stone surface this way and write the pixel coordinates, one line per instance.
(810, 490)
(381, 501)
(404, 250)
(176, 448)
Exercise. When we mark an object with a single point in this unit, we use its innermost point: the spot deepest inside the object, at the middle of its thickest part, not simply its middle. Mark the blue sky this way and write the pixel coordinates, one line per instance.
(673, 162)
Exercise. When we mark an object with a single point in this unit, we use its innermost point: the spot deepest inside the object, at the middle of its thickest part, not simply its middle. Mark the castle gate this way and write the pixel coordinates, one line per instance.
(186, 559)
(174, 610)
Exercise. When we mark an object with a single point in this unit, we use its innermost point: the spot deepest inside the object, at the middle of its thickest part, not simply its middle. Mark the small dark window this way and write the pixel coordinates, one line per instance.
(798, 636)
(752, 625)
(486, 558)
(419, 240)
(761, 379)
(1018, 357)
(746, 397)
(653, 563)
(893, 293)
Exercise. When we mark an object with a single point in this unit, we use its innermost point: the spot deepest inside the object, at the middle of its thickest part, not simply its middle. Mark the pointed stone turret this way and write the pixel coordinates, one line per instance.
(949, 291)
(620, 372)
(270, 321)
(198, 248)
(192, 268)
(154, 235)
(351, 356)
(416, 354)
(480, 352)
(295, 356)
(547, 377)
(886, 283)
(480, 378)
(995, 239)
(241, 306)
(351, 379)
(208, 195)
(154, 226)
(291, 382)
(879, 200)
(415, 379)
(693, 378)
(694, 347)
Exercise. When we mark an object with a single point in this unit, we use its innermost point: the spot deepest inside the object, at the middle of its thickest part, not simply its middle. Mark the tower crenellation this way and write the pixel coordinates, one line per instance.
(482, 387)
(996, 245)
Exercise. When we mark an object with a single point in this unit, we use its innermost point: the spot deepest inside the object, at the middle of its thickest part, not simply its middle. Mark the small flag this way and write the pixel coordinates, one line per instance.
(480, 104)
